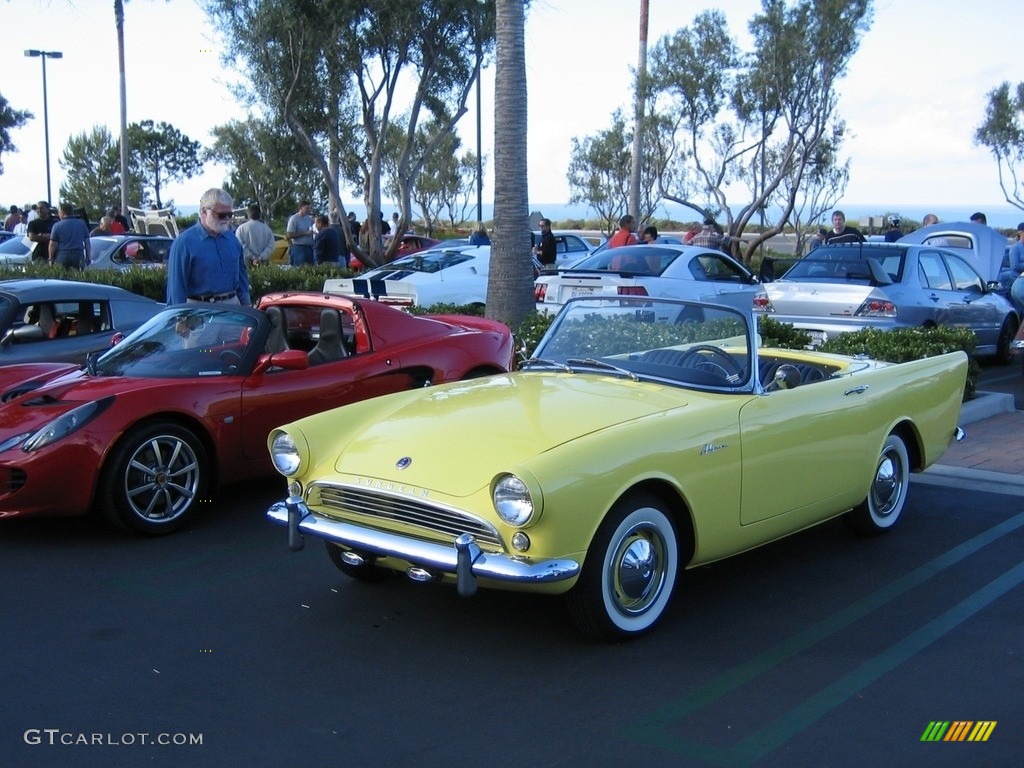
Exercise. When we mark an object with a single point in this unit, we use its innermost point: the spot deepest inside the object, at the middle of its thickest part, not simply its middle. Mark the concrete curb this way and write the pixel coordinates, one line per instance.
(980, 479)
(985, 405)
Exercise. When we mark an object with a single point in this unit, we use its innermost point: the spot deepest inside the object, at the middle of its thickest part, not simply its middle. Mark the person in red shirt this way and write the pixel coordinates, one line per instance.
(624, 235)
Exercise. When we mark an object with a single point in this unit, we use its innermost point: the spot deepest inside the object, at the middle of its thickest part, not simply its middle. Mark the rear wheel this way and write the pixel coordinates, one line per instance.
(155, 479)
(887, 495)
(629, 573)
(1007, 333)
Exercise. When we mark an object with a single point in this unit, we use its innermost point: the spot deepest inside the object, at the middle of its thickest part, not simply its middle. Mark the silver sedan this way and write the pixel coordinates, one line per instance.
(841, 288)
(659, 269)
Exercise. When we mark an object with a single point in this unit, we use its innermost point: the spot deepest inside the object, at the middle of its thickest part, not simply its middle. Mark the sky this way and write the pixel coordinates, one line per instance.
(913, 96)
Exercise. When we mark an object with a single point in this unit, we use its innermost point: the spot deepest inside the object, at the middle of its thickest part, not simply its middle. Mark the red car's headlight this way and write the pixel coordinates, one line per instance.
(65, 424)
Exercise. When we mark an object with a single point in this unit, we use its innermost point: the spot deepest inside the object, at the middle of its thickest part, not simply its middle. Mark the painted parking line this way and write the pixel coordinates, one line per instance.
(653, 729)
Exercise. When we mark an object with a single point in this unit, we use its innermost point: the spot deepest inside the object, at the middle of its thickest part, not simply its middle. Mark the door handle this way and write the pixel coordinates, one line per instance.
(857, 390)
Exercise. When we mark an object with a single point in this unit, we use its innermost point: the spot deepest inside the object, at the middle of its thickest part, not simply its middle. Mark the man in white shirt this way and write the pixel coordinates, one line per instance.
(256, 237)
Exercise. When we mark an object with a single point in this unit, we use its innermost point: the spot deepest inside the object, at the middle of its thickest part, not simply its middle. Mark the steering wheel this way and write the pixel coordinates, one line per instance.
(708, 358)
(230, 358)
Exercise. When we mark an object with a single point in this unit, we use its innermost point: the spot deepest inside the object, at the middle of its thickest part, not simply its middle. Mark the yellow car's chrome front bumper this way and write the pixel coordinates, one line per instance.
(465, 560)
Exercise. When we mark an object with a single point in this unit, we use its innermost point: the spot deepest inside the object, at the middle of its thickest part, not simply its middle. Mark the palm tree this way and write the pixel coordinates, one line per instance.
(119, 24)
(510, 285)
(638, 121)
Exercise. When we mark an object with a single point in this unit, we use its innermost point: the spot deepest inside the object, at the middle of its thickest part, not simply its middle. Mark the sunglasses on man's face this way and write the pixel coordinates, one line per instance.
(222, 215)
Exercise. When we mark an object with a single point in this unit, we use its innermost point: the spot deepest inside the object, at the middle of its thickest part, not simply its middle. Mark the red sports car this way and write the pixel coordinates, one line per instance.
(147, 431)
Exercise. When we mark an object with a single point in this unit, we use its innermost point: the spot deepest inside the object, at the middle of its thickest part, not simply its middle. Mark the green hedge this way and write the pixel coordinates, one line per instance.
(152, 283)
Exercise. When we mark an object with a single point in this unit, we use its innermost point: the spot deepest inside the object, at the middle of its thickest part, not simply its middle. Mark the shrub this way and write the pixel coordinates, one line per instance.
(902, 344)
(782, 335)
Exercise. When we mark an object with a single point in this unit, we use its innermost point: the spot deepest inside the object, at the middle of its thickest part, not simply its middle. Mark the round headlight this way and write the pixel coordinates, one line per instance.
(512, 500)
(285, 454)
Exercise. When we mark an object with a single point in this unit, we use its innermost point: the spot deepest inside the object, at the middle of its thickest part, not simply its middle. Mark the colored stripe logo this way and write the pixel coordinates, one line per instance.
(958, 730)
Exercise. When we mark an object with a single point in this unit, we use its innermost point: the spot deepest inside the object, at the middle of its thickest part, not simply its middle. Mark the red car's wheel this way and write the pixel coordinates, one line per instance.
(154, 479)
(629, 573)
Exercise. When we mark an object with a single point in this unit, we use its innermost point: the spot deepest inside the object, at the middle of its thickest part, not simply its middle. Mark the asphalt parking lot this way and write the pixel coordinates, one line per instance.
(824, 648)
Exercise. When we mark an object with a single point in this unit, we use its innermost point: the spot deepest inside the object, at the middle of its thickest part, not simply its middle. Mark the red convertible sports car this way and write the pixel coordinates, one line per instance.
(185, 403)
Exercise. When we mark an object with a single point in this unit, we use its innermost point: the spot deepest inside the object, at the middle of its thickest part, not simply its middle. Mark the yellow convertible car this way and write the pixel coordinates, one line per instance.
(644, 437)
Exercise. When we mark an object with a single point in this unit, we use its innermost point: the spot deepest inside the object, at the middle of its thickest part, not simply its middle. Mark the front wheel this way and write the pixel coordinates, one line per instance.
(887, 495)
(155, 479)
(629, 573)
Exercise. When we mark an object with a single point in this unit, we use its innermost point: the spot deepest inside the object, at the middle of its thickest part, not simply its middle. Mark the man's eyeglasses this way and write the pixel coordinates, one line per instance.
(222, 215)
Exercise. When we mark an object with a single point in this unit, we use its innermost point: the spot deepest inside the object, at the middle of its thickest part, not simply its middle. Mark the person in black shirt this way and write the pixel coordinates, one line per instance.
(840, 232)
(545, 252)
(326, 242)
(39, 232)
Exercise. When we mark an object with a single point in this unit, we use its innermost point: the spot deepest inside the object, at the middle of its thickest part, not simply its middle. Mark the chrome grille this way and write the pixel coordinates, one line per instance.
(431, 518)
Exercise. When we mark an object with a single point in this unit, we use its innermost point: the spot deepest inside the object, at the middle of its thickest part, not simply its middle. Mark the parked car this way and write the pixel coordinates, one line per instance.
(123, 252)
(279, 255)
(675, 271)
(647, 435)
(147, 431)
(850, 286)
(984, 248)
(411, 244)
(16, 251)
(5, 235)
(65, 320)
(444, 274)
(569, 247)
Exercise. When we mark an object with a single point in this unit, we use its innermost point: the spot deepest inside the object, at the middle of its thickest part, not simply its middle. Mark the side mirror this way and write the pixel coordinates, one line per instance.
(23, 333)
(289, 359)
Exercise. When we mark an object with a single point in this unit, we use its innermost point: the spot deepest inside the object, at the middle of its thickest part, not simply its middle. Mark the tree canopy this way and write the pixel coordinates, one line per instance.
(92, 171)
(10, 118)
(339, 73)
(1002, 131)
(750, 123)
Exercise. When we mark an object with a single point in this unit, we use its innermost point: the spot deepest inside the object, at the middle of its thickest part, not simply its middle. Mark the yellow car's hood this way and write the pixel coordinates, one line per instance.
(454, 438)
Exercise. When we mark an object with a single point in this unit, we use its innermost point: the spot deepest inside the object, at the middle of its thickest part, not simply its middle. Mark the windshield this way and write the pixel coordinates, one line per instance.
(14, 246)
(686, 343)
(430, 261)
(639, 259)
(180, 343)
(856, 264)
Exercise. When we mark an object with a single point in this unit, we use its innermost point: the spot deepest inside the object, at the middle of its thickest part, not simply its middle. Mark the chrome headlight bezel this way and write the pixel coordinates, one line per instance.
(513, 500)
(67, 423)
(286, 452)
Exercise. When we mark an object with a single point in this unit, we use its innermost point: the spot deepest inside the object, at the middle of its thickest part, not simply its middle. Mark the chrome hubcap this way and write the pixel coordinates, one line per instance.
(638, 570)
(162, 478)
(887, 486)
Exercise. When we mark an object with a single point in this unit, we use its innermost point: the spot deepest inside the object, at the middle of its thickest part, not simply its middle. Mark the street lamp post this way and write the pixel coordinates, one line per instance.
(44, 55)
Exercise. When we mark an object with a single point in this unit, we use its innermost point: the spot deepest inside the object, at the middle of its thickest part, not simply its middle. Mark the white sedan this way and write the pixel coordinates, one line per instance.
(450, 275)
(659, 269)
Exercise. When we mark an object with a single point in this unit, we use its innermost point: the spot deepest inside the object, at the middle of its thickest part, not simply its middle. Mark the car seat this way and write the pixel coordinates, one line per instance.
(329, 346)
(276, 340)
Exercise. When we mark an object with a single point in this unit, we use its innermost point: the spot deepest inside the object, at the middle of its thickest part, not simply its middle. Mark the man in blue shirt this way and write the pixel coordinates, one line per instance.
(1017, 268)
(205, 263)
(69, 240)
(300, 236)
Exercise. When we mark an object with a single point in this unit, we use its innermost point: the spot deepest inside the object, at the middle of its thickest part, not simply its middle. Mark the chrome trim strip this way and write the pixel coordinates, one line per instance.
(293, 513)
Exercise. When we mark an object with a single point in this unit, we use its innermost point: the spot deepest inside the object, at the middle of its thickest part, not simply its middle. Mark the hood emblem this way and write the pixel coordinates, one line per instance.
(403, 463)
